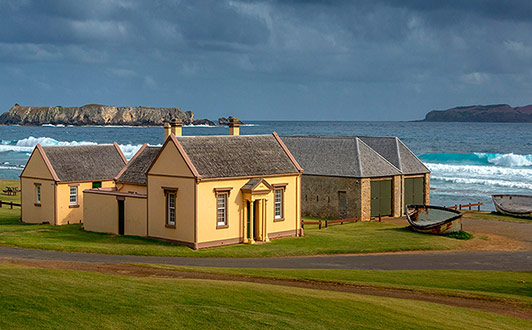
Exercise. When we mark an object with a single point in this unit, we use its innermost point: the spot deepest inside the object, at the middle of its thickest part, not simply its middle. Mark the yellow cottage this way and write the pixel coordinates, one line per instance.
(203, 191)
(54, 178)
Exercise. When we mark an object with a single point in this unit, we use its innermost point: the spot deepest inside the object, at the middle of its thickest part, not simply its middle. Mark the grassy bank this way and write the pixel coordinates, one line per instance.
(348, 238)
(58, 299)
(487, 215)
(509, 285)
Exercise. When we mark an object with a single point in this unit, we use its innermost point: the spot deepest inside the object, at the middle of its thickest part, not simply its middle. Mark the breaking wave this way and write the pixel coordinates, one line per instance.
(26, 145)
(480, 158)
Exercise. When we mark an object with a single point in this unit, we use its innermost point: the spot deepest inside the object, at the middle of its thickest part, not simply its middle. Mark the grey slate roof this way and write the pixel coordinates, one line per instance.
(340, 156)
(397, 153)
(135, 172)
(85, 163)
(236, 156)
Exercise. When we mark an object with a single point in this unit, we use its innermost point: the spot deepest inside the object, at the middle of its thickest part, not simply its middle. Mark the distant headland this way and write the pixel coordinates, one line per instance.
(98, 114)
(482, 113)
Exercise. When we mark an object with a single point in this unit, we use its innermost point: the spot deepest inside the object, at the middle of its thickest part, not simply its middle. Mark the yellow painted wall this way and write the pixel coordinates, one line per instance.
(127, 188)
(67, 214)
(170, 170)
(100, 213)
(36, 167)
(135, 216)
(37, 214)
(207, 230)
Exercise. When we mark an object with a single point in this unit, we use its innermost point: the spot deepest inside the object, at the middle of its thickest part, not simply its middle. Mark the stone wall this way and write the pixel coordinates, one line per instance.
(426, 181)
(319, 197)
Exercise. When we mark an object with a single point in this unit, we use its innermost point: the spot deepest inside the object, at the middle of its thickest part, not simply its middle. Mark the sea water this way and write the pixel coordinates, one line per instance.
(468, 161)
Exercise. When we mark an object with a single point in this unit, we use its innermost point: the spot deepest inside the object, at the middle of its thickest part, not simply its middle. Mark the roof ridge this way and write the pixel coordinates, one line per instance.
(141, 149)
(380, 156)
(357, 140)
(398, 154)
(413, 154)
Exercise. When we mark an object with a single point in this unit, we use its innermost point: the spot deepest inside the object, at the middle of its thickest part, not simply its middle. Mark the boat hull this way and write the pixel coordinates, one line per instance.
(513, 205)
(434, 219)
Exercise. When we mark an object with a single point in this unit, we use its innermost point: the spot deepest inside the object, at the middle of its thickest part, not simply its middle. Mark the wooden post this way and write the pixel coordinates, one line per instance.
(326, 223)
(379, 217)
(479, 203)
(460, 206)
(11, 205)
(0, 203)
(319, 226)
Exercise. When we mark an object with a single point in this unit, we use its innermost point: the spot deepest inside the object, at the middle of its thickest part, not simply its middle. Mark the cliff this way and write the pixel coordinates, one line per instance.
(95, 114)
(483, 113)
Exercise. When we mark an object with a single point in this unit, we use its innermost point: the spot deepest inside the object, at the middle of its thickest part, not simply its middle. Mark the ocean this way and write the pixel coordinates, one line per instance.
(468, 161)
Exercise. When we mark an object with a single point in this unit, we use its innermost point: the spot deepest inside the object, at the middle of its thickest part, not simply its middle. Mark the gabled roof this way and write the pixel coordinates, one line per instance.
(340, 156)
(252, 184)
(236, 155)
(397, 153)
(84, 163)
(135, 171)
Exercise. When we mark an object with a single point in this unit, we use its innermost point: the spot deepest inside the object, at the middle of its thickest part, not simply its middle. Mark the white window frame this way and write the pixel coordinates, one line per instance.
(73, 195)
(278, 203)
(221, 210)
(171, 214)
(38, 194)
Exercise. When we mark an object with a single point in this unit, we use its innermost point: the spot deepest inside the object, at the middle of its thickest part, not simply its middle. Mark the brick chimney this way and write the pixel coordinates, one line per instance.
(166, 131)
(234, 126)
(177, 127)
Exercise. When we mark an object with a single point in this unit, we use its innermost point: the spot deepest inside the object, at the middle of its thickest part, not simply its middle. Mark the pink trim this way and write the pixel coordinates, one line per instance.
(120, 152)
(185, 156)
(288, 153)
(131, 161)
(47, 162)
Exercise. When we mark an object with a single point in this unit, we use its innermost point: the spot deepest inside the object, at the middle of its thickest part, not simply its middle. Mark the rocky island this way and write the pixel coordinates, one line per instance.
(482, 113)
(97, 114)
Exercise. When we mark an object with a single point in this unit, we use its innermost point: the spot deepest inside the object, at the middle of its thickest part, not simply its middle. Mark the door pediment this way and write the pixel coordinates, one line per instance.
(257, 186)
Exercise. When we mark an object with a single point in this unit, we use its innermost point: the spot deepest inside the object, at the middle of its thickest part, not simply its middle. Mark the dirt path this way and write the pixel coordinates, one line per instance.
(478, 302)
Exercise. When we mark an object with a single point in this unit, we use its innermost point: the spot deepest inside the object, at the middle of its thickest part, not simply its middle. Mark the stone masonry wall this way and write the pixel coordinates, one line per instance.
(319, 197)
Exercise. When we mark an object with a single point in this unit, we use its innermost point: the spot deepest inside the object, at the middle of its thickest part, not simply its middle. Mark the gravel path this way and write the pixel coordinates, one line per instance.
(516, 261)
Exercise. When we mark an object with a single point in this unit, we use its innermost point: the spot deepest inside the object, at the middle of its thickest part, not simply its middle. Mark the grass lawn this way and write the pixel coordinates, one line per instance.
(487, 215)
(508, 285)
(59, 299)
(348, 238)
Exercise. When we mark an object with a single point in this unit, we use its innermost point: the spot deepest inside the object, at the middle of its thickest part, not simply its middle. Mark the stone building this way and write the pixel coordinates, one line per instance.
(363, 177)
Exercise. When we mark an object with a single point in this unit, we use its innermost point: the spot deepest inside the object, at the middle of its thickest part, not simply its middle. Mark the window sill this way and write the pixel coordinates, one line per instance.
(222, 226)
(73, 206)
(169, 226)
(278, 219)
(37, 204)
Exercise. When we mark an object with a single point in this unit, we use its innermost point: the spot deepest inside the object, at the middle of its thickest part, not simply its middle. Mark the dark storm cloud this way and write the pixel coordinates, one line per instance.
(268, 59)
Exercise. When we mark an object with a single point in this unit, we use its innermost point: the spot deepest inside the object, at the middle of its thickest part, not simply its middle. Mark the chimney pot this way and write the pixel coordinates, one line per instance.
(166, 131)
(234, 126)
(177, 126)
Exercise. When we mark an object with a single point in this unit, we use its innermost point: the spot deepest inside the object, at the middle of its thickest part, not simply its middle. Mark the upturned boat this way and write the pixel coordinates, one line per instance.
(434, 219)
(514, 205)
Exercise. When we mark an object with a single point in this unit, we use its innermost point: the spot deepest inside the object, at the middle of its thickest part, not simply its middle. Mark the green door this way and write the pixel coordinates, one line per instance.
(381, 198)
(414, 191)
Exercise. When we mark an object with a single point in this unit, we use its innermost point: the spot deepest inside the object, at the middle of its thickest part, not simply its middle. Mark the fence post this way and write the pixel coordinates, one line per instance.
(326, 223)
(379, 217)
(319, 225)
(0, 204)
(469, 206)
(460, 206)
(479, 206)
(11, 205)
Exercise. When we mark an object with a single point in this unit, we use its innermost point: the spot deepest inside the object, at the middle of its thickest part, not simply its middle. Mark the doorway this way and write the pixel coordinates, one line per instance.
(120, 217)
(381, 198)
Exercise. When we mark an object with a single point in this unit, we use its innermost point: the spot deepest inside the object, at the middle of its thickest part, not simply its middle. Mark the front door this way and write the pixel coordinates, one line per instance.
(414, 191)
(120, 217)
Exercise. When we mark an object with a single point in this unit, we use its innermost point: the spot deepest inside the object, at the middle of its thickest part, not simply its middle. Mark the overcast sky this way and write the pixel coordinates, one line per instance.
(293, 60)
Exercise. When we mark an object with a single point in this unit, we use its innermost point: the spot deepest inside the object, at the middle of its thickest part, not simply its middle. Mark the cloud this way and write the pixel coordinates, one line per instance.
(234, 54)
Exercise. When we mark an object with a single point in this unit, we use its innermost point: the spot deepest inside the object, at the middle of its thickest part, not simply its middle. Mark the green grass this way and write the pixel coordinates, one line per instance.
(59, 299)
(348, 238)
(486, 215)
(460, 235)
(508, 285)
